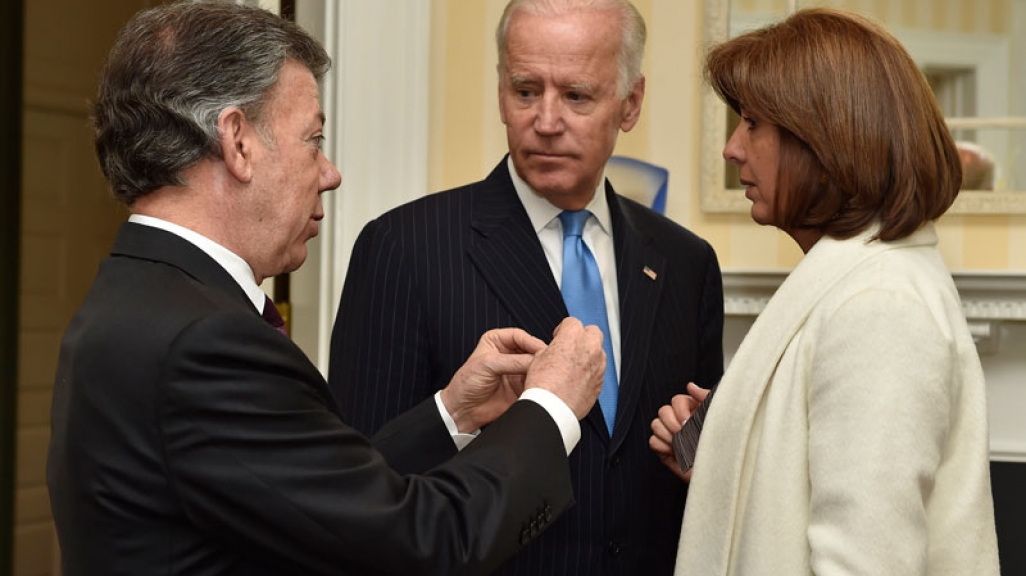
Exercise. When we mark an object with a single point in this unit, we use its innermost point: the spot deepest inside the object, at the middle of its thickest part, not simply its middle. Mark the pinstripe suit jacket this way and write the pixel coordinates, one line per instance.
(428, 278)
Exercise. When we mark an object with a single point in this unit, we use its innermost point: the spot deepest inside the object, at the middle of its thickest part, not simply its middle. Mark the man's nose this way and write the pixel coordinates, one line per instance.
(331, 178)
(549, 119)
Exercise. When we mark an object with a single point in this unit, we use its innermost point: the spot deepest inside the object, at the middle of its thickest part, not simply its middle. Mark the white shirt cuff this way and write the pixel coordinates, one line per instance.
(459, 439)
(566, 421)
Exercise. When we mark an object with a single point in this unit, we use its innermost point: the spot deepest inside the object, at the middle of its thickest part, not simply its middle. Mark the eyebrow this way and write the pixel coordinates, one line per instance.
(582, 87)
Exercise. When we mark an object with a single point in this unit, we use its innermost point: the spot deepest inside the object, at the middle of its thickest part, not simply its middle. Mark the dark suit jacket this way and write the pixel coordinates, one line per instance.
(428, 278)
(190, 437)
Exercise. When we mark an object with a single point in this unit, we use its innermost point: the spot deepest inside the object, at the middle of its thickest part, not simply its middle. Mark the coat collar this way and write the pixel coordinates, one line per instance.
(156, 245)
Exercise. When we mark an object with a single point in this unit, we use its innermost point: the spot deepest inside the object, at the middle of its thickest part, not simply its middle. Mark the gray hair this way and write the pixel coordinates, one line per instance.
(170, 74)
(632, 32)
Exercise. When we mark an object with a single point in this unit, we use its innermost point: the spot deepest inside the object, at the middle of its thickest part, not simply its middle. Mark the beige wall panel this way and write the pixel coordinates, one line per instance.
(753, 246)
(788, 251)
(1017, 242)
(667, 135)
(32, 505)
(986, 242)
(37, 359)
(34, 404)
(462, 114)
(32, 444)
(950, 236)
(34, 544)
(999, 17)
(672, 100)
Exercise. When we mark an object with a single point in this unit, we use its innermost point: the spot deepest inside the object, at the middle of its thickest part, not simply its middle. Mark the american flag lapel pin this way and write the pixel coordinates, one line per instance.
(649, 272)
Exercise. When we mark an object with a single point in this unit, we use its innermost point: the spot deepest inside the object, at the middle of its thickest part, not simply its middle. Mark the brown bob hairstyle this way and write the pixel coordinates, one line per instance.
(861, 135)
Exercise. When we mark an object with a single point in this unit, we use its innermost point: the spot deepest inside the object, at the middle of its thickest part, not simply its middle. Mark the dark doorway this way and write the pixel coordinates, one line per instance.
(10, 226)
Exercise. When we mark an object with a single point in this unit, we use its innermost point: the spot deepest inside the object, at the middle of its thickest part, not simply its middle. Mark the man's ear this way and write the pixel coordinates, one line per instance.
(237, 135)
(631, 105)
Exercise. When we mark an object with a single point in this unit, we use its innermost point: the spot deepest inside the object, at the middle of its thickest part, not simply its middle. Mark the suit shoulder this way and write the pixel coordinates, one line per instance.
(663, 229)
(435, 202)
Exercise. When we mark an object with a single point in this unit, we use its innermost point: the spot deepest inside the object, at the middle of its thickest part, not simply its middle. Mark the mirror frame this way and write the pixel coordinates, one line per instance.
(717, 198)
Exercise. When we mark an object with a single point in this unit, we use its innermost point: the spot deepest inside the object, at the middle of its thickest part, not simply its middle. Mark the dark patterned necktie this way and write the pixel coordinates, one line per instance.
(273, 317)
(685, 442)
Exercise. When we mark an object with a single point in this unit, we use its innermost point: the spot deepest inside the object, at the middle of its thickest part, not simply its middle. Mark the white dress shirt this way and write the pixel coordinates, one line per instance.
(597, 236)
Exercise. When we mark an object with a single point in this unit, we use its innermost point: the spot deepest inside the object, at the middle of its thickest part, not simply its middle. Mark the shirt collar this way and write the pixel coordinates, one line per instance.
(542, 212)
(230, 261)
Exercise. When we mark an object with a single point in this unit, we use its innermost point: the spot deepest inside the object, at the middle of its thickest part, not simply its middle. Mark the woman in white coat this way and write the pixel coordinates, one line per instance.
(849, 433)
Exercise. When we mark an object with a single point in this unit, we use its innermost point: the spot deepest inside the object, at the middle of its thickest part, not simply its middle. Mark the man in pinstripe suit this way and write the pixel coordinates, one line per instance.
(427, 278)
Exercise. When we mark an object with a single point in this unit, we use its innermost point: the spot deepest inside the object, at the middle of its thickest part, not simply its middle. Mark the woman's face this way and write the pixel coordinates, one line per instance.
(755, 148)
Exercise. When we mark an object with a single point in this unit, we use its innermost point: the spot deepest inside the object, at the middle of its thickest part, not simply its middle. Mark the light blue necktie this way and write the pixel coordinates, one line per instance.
(582, 293)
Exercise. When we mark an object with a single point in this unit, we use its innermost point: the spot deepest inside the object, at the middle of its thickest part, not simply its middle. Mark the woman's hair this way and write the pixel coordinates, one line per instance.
(632, 32)
(171, 73)
(861, 135)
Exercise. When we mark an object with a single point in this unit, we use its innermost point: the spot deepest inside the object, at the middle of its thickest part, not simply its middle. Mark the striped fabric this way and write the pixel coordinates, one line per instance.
(428, 278)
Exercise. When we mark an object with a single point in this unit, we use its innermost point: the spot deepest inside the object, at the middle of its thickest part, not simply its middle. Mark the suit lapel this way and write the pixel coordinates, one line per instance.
(506, 252)
(637, 261)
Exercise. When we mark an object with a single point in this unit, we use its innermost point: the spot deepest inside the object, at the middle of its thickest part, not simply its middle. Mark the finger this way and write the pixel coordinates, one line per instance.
(594, 333)
(670, 423)
(509, 364)
(569, 324)
(697, 392)
(659, 447)
(683, 406)
(661, 433)
(510, 340)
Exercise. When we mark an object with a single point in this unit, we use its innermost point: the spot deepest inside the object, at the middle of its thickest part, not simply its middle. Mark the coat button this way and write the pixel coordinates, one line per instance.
(614, 547)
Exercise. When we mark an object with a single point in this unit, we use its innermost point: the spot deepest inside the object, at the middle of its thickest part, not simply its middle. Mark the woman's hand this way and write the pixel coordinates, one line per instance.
(671, 418)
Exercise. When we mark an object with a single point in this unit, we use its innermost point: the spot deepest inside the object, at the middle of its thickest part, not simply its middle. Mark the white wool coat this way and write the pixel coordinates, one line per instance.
(849, 433)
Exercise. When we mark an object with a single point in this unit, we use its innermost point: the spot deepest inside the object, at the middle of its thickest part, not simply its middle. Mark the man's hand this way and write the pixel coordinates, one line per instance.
(669, 421)
(572, 366)
(491, 379)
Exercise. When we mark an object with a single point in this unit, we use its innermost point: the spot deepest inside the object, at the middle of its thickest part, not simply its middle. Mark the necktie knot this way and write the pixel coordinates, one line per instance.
(272, 316)
(573, 221)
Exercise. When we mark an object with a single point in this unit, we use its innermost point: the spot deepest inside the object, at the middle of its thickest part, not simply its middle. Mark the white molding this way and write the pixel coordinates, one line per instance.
(1007, 456)
(986, 296)
(375, 98)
